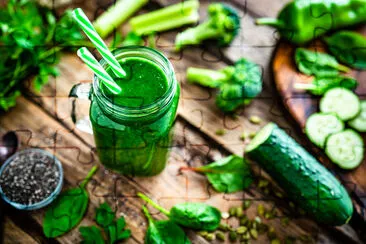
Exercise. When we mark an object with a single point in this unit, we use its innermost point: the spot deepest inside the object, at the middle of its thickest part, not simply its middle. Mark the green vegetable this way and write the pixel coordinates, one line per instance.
(317, 63)
(115, 230)
(322, 84)
(348, 47)
(320, 126)
(342, 102)
(67, 210)
(104, 215)
(163, 231)
(230, 174)
(359, 122)
(304, 179)
(237, 84)
(301, 21)
(132, 39)
(91, 235)
(198, 216)
(33, 40)
(116, 15)
(345, 148)
(171, 17)
(222, 25)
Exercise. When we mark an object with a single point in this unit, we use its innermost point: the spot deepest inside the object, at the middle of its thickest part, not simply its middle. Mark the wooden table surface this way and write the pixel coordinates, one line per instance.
(43, 120)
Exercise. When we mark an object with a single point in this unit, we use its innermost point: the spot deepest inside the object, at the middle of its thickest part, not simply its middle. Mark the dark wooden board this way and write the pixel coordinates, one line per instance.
(301, 105)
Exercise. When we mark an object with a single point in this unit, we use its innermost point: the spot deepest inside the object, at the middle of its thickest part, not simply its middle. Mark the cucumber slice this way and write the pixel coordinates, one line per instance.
(359, 123)
(319, 126)
(345, 149)
(343, 102)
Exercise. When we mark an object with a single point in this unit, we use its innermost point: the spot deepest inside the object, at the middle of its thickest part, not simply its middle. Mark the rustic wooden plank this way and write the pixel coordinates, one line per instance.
(15, 235)
(120, 192)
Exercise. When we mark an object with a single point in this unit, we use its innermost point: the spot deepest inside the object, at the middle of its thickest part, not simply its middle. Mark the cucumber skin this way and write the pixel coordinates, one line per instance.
(297, 172)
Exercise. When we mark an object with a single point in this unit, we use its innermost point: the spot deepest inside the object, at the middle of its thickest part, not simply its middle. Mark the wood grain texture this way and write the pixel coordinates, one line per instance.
(301, 105)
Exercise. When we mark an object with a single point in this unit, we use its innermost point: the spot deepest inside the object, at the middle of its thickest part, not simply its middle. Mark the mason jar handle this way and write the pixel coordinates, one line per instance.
(81, 91)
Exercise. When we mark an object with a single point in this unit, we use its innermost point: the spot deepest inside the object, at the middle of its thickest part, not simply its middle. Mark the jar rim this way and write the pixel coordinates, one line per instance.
(107, 104)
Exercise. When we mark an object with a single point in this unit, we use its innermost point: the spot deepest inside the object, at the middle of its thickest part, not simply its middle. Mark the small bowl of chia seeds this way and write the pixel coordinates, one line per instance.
(31, 179)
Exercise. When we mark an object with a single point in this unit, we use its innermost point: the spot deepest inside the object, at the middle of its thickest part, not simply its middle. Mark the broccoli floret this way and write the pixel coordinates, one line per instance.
(237, 85)
(223, 25)
(167, 18)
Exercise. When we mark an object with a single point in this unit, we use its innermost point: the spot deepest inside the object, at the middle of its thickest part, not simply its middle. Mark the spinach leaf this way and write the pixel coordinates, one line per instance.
(230, 174)
(104, 215)
(348, 47)
(317, 63)
(91, 235)
(199, 216)
(117, 232)
(67, 210)
(163, 231)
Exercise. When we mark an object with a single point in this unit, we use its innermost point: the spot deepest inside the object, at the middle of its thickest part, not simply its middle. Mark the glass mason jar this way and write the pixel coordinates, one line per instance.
(135, 140)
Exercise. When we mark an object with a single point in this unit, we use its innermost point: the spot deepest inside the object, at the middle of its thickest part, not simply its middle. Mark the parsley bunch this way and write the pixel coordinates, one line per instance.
(31, 40)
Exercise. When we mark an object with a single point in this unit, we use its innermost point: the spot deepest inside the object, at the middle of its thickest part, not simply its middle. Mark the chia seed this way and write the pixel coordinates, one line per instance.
(30, 178)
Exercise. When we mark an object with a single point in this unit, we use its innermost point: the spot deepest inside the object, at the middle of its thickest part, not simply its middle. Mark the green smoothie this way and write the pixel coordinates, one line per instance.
(136, 143)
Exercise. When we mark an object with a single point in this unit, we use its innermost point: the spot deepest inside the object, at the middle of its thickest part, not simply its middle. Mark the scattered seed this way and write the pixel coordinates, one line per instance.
(232, 211)
(263, 183)
(239, 212)
(266, 191)
(220, 236)
(279, 194)
(275, 241)
(254, 233)
(252, 134)
(224, 227)
(255, 119)
(244, 136)
(271, 233)
(210, 237)
(245, 236)
(243, 220)
(285, 221)
(291, 204)
(202, 233)
(241, 229)
(246, 204)
(261, 209)
(232, 236)
(225, 215)
(220, 132)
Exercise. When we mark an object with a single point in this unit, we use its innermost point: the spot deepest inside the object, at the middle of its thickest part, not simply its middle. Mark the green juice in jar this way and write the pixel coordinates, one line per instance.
(132, 130)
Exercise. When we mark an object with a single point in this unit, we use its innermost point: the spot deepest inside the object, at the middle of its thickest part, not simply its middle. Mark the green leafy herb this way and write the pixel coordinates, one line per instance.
(228, 175)
(198, 216)
(104, 215)
(67, 210)
(237, 84)
(91, 235)
(349, 48)
(114, 229)
(33, 40)
(163, 231)
(117, 232)
(321, 84)
(317, 63)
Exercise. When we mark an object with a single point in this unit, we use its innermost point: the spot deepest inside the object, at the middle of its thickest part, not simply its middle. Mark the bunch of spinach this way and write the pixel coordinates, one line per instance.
(67, 210)
(163, 231)
(114, 229)
(230, 174)
(198, 216)
(31, 40)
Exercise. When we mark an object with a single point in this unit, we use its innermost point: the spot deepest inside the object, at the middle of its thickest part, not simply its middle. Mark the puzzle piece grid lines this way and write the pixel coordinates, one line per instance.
(184, 150)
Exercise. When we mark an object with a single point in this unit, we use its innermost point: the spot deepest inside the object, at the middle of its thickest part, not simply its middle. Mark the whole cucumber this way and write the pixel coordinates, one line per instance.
(305, 180)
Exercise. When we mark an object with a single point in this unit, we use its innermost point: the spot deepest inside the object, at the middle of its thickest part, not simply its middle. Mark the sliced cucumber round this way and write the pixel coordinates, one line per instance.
(319, 126)
(341, 101)
(345, 149)
(359, 123)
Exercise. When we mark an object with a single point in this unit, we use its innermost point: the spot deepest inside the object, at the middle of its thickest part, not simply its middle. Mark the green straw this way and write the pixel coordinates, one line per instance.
(94, 65)
(90, 31)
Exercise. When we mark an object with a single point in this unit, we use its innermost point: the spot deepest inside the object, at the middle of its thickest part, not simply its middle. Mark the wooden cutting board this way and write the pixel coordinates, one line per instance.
(301, 105)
